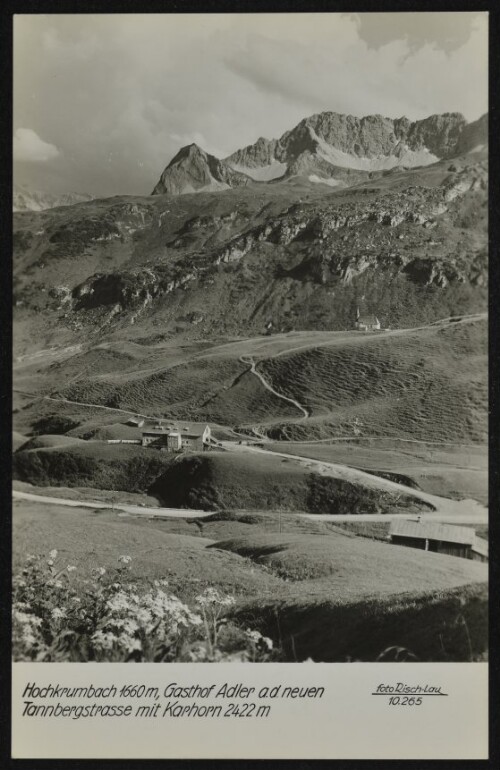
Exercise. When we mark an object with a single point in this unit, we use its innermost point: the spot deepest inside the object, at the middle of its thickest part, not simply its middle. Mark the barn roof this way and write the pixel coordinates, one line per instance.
(431, 530)
(135, 421)
(368, 319)
(190, 429)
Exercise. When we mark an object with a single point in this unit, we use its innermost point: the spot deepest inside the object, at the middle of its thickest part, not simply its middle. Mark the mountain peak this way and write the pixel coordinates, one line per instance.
(192, 150)
(194, 170)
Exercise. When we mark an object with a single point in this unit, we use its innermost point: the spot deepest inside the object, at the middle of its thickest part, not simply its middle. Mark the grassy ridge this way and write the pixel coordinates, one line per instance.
(355, 566)
(92, 464)
(224, 480)
(209, 481)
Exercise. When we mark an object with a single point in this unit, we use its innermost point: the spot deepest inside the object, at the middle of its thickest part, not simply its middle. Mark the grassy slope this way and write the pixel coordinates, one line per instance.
(224, 480)
(435, 607)
(18, 440)
(440, 625)
(91, 464)
(447, 471)
(208, 481)
(93, 539)
(430, 384)
(354, 566)
(49, 441)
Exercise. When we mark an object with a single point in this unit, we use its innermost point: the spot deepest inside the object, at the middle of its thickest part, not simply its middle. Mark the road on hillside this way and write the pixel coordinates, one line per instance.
(265, 383)
(441, 505)
(123, 507)
(265, 347)
(181, 513)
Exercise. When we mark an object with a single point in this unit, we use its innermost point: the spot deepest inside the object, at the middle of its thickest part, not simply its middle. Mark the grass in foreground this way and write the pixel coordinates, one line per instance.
(314, 595)
(437, 626)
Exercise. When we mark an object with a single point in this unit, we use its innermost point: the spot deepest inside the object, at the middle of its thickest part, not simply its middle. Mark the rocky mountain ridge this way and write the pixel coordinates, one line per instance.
(329, 148)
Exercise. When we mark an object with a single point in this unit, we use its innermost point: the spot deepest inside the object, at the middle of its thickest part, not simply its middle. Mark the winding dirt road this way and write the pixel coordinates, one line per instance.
(249, 360)
(184, 513)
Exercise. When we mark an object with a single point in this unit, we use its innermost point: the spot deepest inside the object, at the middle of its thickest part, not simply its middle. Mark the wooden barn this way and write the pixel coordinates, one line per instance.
(176, 437)
(439, 538)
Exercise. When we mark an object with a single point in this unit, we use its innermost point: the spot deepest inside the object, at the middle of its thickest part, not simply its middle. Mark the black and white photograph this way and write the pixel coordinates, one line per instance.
(250, 329)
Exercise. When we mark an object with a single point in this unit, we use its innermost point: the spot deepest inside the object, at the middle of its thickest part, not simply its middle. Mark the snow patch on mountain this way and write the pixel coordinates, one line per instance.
(263, 173)
(322, 180)
(404, 157)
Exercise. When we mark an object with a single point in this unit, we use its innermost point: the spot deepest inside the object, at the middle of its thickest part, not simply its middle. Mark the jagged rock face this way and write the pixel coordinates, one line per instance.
(374, 135)
(194, 170)
(327, 142)
(262, 153)
(337, 150)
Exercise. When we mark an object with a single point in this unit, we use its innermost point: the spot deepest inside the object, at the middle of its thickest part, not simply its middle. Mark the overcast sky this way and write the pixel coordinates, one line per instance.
(103, 102)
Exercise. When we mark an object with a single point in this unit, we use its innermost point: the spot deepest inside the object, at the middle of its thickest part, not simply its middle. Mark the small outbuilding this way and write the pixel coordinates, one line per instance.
(135, 422)
(439, 538)
(366, 322)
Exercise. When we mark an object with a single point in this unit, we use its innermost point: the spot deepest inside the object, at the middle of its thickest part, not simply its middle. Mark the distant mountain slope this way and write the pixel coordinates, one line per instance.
(24, 199)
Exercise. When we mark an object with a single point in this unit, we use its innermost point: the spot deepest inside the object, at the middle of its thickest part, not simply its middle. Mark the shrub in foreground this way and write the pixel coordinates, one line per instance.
(106, 618)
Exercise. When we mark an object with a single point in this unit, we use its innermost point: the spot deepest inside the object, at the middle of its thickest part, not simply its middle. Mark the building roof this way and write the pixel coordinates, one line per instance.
(430, 530)
(135, 421)
(190, 429)
(367, 319)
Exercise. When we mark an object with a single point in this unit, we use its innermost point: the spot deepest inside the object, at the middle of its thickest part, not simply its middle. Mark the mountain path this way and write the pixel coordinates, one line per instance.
(253, 370)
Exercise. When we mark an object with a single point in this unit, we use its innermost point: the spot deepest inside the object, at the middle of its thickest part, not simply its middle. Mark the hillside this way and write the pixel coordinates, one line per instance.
(428, 383)
(209, 481)
(407, 244)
